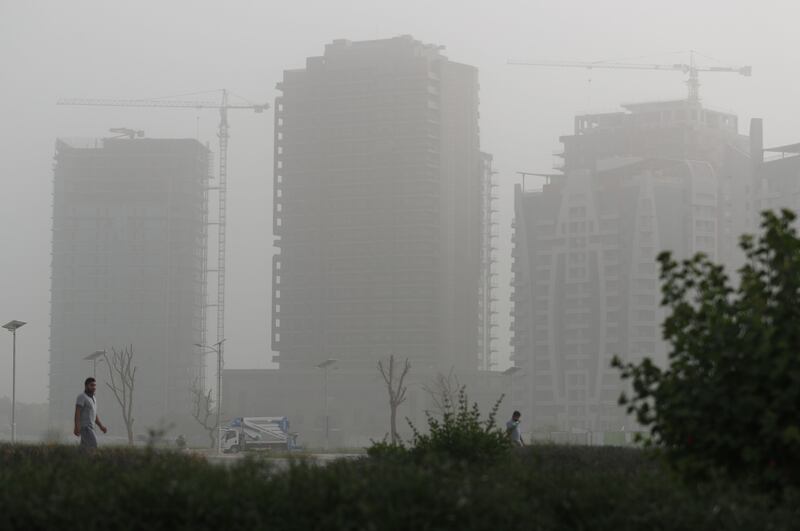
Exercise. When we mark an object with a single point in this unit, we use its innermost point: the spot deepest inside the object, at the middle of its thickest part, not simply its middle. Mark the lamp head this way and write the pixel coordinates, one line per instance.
(12, 326)
(94, 355)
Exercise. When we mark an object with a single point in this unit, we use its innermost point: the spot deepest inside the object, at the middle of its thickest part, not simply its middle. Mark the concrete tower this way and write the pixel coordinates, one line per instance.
(129, 236)
(378, 213)
(657, 176)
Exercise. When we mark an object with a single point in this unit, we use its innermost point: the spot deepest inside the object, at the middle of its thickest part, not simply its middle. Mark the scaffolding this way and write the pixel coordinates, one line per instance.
(223, 136)
(204, 265)
(487, 287)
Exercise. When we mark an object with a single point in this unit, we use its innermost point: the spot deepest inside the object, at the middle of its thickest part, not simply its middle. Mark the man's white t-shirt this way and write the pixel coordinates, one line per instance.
(512, 428)
(88, 405)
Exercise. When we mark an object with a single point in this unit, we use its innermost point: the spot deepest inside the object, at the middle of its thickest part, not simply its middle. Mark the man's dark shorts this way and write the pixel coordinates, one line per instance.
(88, 438)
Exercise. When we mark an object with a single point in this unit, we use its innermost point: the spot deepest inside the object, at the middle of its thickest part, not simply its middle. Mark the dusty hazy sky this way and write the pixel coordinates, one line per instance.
(52, 49)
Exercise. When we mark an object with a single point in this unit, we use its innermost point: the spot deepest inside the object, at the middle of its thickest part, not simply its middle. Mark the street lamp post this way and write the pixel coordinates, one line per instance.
(93, 357)
(217, 347)
(12, 326)
(325, 365)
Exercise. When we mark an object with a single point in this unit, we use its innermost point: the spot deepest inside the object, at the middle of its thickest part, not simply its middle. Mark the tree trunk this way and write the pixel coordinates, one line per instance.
(122, 381)
(397, 391)
(129, 429)
(393, 423)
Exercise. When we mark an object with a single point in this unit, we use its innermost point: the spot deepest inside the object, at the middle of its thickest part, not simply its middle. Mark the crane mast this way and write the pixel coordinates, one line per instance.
(691, 69)
(223, 136)
(222, 196)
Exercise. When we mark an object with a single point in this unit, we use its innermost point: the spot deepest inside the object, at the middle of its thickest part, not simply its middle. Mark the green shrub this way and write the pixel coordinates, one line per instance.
(388, 451)
(730, 398)
(543, 488)
(461, 435)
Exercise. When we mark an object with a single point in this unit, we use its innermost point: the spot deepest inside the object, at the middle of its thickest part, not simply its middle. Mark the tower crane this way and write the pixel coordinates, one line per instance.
(223, 106)
(690, 68)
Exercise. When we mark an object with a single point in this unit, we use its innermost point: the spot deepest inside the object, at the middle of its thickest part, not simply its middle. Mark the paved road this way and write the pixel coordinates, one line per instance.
(282, 461)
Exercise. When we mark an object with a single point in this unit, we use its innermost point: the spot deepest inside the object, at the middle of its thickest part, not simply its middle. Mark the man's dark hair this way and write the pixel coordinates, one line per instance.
(516, 414)
(88, 380)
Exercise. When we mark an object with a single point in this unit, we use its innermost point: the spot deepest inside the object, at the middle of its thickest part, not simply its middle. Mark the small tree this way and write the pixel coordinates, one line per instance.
(396, 389)
(443, 392)
(122, 374)
(730, 397)
(203, 410)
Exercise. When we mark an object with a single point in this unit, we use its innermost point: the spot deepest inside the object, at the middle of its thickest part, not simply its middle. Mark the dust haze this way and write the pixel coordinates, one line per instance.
(187, 50)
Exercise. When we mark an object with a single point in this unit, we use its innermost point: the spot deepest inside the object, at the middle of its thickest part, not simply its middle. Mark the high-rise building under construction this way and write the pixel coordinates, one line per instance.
(129, 249)
(378, 185)
(657, 176)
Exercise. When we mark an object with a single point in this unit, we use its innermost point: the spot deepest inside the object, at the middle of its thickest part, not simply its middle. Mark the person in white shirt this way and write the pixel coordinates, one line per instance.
(86, 415)
(512, 429)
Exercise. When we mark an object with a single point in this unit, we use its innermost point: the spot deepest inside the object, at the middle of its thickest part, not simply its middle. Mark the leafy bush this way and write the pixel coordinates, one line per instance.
(388, 451)
(546, 488)
(730, 398)
(461, 435)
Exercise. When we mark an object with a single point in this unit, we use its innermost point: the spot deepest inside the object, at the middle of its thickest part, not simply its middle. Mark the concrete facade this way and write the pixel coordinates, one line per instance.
(777, 170)
(380, 192)
(129, 236)
(377, 190)
(653, 177)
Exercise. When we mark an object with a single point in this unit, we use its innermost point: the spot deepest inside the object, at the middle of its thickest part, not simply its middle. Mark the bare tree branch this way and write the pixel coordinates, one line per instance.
(397, 391)
(202, 410)
(123, 379)
(443, 392)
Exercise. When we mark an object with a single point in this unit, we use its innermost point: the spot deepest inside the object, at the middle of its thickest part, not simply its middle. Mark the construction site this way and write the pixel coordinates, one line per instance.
(385, 217)
(130, 223)
(141, 232)
(673, 175)
(399, 265)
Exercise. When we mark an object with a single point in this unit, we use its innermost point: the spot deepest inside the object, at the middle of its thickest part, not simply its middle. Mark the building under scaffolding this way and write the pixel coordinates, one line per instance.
(129, 251)
(382, 205)
(657, 176)
(487, 297)
(380, 190)
(777, 170)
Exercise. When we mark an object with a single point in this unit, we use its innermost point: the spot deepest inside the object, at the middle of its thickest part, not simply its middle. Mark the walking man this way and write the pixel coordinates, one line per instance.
(512, 429)
(86, 415)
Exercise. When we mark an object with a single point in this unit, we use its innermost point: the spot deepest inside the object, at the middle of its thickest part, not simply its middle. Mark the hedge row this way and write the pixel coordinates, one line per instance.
(548, 488)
